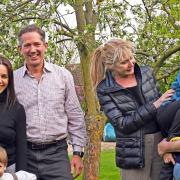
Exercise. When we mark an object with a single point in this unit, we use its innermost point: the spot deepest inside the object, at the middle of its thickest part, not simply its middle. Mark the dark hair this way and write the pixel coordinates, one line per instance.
(31, 28)
(11, 97)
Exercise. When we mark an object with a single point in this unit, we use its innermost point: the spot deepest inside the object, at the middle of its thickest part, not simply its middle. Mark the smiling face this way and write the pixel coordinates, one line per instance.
(4, 78)
(33, 49)
(125, 67)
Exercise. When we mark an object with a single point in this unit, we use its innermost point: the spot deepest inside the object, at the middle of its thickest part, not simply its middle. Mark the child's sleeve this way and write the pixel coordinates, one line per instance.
(176, 86)
(24, 175)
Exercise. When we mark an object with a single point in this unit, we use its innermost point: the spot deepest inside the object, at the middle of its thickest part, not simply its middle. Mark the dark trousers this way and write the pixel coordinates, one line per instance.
(166, 172)
(169, 121)
(51, 163)
(168, 118)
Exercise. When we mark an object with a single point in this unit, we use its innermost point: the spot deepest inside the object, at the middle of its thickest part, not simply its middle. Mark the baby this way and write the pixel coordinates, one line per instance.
(168, 118)
(20, 175)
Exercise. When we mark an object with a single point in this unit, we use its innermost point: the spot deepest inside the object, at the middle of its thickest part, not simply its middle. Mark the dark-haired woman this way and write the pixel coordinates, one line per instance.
(12, 119)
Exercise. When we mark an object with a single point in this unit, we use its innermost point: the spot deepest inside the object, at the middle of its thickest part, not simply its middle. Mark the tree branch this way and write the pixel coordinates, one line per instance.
(88, 13)
(170, 17)
(62, 40)
(167, 74)
(161, 61)
(143, 53)
(20, 5)
(65, 27)
(80, 17)
(54, 21)
(64, 33)
(147, 11)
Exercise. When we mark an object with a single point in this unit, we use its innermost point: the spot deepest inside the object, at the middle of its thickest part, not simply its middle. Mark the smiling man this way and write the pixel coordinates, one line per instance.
(52, 109)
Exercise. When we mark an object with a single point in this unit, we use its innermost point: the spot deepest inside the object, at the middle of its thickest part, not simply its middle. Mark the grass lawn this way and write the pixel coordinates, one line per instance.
(108, 169)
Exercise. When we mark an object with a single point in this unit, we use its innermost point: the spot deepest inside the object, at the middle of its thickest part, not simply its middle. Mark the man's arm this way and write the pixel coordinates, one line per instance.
(75, 115)
(76, 125)
(167, 146)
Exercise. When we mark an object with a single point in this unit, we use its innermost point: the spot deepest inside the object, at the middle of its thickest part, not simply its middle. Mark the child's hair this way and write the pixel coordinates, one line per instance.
(3, 156)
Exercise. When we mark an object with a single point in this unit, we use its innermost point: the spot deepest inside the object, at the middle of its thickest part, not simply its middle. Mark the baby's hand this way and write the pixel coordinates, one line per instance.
(168, 157)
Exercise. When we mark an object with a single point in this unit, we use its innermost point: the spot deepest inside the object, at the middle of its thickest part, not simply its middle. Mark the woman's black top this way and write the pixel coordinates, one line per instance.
(13, 132)
(135, 91)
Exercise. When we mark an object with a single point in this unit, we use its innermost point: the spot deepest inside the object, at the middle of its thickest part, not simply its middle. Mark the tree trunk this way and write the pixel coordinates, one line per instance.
(93, 149)
(94, 121)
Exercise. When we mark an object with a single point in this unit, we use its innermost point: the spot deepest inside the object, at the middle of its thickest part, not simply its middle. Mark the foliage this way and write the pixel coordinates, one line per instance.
(76, 27)
(16, 14)
(153, 26)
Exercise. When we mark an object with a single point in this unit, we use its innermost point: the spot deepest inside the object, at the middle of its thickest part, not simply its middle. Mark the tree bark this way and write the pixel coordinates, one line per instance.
(93, 149)
(94, 121)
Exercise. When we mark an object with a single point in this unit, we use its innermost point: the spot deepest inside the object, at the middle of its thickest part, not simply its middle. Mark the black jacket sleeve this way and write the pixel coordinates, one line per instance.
(21, 143)
(128, 122)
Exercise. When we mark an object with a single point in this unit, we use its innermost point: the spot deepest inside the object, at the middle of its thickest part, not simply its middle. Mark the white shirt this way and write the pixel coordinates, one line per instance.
(21, 175)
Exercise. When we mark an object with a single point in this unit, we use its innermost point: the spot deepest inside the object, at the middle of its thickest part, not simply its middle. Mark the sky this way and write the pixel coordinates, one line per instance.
(70, 18)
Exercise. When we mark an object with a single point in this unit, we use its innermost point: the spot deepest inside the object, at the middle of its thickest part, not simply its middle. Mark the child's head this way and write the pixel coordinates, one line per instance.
(3, 160)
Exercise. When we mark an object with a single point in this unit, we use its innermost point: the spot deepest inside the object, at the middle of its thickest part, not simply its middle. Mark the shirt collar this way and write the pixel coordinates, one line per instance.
(47, 68)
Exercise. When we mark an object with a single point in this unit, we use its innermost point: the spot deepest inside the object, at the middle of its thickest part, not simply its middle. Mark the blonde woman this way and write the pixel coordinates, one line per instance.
(129, 97)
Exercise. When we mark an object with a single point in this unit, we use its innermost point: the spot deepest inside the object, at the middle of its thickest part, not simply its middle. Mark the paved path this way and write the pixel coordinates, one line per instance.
(107, 145)
(104, 146)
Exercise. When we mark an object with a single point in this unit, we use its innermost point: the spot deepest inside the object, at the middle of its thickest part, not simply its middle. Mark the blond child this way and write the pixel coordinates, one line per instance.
(20, 175)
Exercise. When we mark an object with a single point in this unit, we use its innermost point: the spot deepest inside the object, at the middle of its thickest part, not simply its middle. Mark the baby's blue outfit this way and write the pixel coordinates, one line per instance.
(176, 86)
(176, 97)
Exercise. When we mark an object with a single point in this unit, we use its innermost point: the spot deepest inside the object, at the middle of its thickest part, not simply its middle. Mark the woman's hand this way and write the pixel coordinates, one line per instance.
(168, 158)
(165, 97)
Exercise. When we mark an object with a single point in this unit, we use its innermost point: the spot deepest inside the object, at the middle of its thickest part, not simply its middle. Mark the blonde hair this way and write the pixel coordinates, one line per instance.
(3, 156)
(106, 55)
